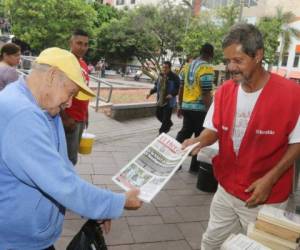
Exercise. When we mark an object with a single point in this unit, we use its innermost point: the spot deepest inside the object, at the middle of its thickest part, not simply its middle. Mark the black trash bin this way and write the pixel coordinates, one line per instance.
(206, 179)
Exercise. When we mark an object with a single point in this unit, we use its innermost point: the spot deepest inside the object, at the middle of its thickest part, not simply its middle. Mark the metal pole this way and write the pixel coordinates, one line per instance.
(241, 10)
(98, 96)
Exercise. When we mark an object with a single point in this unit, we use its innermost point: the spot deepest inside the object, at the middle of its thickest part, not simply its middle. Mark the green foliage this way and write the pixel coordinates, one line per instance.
(210, 27)
(2, 12)
(276, 27)
(148, 33)
(270, 28)
(49, 23)
(105, 13)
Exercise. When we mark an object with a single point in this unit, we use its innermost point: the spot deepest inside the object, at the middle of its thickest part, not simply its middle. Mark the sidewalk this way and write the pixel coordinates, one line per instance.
(175, 219)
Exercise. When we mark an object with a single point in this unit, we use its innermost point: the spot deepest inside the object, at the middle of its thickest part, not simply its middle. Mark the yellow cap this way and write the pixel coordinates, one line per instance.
(67, 63)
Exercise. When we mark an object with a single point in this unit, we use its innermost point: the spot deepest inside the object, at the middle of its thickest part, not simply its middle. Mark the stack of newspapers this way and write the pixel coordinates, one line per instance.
(276, 228)
(242, 242)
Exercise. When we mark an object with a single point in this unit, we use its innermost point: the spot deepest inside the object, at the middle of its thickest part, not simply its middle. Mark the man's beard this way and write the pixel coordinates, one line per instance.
(242, 79)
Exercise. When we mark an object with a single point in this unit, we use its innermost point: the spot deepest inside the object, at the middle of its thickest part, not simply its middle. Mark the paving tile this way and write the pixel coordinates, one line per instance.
(62, 243)
(114, 187)
(84, 168)
(101, 155)
(105, 169)
(85, 159)
(190, 214)
(87, 177)
(191, 200)
(175, 184)
(72, 227)
(187, 191)
(192, 232)
(170, 245)
(163, 199)
(104, 161)
(121, 247)
(154, 233)
(170, 215)
(188, 178)
(119, 234)
(204, 224)
(147, 209)
(144, 220)
(121, 161)
(102, 179)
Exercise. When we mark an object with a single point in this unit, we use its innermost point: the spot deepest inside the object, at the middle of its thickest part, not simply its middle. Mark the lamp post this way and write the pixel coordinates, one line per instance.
(241, 10)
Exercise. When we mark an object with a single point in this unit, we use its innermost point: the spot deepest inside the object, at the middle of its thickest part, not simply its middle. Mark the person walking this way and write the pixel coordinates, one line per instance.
(195, 96)
(166, 87)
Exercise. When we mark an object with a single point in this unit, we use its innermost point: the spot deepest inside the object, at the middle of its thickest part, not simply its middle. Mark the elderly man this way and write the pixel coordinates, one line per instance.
(255, 118)
(36, 177)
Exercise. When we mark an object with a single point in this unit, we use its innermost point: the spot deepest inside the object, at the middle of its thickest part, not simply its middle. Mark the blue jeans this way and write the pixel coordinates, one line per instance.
(73, 140)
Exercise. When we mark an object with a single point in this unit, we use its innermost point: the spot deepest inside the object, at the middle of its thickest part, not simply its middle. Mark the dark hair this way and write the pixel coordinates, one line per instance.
(207, 50)
(9, 49)
(168, 63)
(79, 32)
(247, 35)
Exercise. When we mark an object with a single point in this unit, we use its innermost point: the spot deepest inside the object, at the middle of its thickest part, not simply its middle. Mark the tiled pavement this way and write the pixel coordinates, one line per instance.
(175, 219)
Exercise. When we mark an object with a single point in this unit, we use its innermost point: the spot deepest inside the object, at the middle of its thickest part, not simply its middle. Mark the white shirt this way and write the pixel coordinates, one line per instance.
(245, 104)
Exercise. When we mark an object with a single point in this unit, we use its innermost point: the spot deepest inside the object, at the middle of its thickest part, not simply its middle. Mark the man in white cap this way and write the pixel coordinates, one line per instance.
(36, 177)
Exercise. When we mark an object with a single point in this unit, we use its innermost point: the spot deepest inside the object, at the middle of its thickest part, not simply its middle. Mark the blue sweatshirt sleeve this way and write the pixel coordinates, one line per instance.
(32, 157)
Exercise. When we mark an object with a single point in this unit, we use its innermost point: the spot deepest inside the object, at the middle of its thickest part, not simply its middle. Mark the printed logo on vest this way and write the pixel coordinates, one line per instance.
(265, 132)
(224, 128)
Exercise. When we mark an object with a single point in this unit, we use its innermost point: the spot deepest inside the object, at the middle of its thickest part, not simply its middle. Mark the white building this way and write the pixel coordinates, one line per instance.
(290, 65)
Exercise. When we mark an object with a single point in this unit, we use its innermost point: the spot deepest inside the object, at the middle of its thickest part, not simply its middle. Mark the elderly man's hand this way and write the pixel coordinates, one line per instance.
(261, 190)
(105, 225)
(132, 200)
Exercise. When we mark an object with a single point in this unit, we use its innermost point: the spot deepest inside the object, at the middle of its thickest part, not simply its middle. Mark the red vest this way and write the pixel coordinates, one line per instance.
(79, 109)
(274, 116)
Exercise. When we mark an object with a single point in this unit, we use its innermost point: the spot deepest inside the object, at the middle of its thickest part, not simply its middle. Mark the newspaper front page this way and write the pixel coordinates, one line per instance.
(151, 169)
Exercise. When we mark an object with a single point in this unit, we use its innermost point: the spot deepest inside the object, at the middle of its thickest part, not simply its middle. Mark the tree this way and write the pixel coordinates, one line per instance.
(286, 32)
(2, 13)
(148, 33)
(270, 29)
(274, 28)
(105, 13)
(43, 24)
(210, 26)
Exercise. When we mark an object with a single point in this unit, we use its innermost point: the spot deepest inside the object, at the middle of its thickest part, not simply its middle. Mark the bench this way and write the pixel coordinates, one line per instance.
(122, 112)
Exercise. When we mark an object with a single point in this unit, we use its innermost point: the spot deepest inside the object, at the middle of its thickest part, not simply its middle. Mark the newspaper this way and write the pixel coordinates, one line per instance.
(152, 168)
(206, 154)
(242, 242)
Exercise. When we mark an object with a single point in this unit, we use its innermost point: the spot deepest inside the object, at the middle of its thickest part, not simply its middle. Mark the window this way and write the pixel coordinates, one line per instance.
(296, 60)
(132, 1)
(284, 59)
(120, 2)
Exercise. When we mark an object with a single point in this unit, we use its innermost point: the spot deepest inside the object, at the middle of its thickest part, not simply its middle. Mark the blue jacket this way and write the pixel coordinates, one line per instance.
(173, 83)
(37, 181)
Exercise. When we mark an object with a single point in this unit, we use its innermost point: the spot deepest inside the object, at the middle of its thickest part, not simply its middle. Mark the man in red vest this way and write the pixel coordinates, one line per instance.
(75, 118)
(255, 118)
